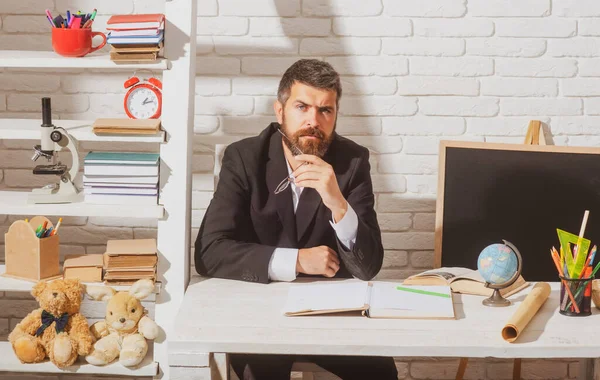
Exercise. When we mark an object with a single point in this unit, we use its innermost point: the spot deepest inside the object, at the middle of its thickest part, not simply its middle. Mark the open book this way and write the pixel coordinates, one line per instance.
(462, 280)
(372, 299)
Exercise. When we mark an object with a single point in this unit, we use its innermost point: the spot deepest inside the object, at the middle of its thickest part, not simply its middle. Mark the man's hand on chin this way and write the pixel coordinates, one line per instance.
(320, 176)
(318, 260)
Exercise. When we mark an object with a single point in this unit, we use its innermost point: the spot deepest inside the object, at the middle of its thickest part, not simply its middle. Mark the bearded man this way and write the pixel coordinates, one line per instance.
(296, 200)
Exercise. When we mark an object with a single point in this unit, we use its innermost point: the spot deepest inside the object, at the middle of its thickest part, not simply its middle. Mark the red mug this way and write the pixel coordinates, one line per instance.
(75, 42)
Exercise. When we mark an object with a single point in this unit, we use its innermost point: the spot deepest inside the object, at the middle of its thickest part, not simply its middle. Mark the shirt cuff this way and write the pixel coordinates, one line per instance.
(282, 266)
(347, 228)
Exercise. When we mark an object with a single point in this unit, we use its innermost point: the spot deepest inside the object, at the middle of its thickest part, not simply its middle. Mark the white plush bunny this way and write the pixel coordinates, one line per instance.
(126, 327)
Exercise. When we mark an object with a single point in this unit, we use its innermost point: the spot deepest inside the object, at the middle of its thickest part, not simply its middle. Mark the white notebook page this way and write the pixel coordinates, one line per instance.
(387, 295)
(326, 296)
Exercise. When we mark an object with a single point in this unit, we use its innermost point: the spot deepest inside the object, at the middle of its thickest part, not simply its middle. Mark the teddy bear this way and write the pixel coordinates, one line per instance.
(56, 329)
(126, 326)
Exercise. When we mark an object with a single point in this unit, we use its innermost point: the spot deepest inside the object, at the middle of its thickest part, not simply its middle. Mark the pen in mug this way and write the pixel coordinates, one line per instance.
(49, 15)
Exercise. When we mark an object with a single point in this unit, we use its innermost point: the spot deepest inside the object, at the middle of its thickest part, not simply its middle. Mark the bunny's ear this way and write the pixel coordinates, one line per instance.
(100, 293)
(141, 289)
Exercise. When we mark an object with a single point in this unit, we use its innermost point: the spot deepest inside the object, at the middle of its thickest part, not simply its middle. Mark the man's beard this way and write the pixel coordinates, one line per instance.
(307, 146)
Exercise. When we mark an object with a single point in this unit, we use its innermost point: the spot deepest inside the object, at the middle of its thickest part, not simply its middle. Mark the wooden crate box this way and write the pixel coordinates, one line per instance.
(28, 257)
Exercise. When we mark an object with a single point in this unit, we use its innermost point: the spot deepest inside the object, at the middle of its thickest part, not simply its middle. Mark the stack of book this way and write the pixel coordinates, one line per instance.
(135, 38)
(121, 178)
(121, 126)
(127, 261)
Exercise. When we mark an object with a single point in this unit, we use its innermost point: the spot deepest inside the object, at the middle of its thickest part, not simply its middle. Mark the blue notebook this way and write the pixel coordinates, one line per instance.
(121, 158)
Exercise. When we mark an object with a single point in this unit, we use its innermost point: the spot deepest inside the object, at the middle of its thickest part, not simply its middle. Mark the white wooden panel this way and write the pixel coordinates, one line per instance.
(8, 284)
(173, 237)
(189, 359)
(49, 59)
(81, 130)
(190, 373)
(9, 362)
(15, 203)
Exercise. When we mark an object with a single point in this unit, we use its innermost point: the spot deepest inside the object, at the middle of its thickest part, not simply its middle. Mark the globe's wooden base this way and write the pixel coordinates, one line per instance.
(496, 300)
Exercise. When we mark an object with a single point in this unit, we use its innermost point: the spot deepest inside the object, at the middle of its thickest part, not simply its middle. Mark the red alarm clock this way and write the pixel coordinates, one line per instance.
(144, 98)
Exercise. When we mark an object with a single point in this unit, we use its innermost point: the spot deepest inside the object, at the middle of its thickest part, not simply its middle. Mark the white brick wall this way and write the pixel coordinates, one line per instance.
(414, 73)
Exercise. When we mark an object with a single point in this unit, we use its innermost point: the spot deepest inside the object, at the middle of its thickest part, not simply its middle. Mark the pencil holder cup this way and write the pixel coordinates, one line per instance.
(75, 42)
(575, 296)
(28, 257)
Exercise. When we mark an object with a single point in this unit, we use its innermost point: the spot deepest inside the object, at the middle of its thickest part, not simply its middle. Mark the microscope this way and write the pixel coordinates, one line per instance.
(53, 140)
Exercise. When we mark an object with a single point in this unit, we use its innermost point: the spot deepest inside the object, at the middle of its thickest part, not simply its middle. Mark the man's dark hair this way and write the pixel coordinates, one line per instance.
(311, 72)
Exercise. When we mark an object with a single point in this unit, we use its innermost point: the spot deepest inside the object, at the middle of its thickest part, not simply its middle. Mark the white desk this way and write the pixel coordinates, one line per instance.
(220, 316)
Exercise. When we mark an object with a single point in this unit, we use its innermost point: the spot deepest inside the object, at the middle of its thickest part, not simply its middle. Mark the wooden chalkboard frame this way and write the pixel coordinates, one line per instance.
(446, 144)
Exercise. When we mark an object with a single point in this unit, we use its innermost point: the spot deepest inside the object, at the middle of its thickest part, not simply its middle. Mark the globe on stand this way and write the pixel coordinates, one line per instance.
(500, 266)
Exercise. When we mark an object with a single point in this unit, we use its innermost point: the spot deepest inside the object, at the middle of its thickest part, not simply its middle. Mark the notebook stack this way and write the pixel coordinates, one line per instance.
(135, 38)
(126, 126)
(127, 261)
(121, 178)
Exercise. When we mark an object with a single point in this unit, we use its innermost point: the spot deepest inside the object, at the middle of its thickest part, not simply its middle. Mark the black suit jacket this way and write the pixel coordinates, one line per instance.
(245, 221)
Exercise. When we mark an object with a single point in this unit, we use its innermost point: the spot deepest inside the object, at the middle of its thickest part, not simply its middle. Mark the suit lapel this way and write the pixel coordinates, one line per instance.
(276, 171)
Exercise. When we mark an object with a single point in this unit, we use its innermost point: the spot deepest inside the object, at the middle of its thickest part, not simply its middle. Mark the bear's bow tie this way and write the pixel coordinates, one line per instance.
(48, 318)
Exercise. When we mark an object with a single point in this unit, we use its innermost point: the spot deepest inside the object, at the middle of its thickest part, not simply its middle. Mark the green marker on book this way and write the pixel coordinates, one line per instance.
(425, 292)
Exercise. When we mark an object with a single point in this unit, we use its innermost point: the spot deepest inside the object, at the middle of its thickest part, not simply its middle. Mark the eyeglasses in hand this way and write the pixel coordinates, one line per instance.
(296, 151)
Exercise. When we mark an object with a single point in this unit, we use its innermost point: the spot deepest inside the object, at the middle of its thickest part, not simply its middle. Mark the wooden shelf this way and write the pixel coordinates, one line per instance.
(51, 60)
(10, 363)
(81, 130)
(8, 284)
(15, 203)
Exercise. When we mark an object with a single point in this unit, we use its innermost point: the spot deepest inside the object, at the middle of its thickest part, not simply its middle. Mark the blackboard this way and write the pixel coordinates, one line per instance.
(521, 193)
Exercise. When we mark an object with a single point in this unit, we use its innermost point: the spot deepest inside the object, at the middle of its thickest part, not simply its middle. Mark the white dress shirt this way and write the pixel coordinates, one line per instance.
(282, 266)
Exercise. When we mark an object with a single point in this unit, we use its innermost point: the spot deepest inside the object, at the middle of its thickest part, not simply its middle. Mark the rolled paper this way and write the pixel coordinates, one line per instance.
(528, 308)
